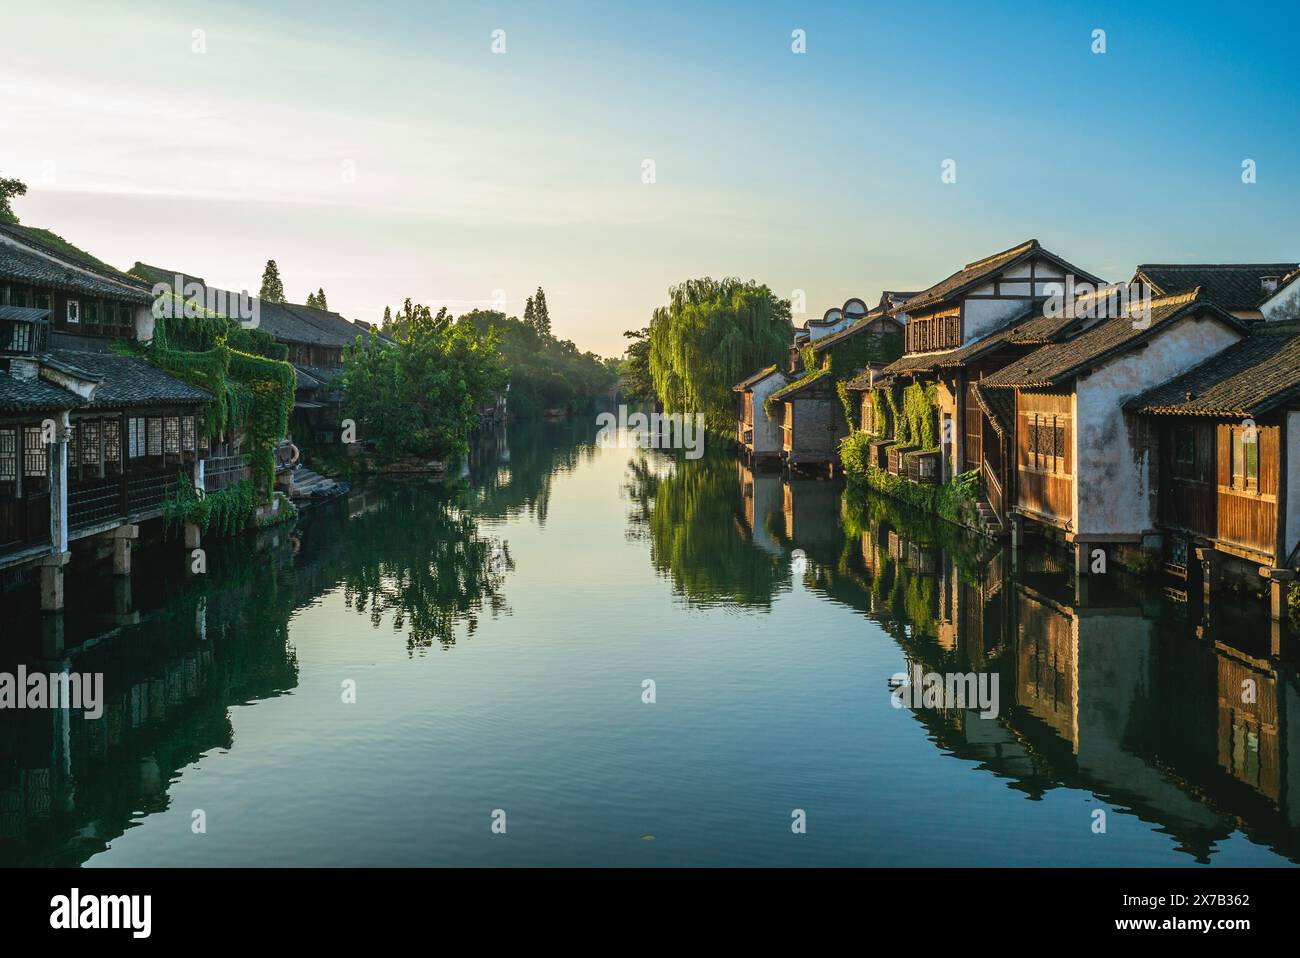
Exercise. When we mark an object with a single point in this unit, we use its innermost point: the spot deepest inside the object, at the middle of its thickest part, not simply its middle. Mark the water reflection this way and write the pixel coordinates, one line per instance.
(178, 652)
(1187, 717)
(1179, 717)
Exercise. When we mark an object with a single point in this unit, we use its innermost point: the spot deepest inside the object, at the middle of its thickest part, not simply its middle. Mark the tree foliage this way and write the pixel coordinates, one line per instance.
(712, 334)
(420, 396)
(272, 286)
(545, 372)
(635, 382)
(9, 188)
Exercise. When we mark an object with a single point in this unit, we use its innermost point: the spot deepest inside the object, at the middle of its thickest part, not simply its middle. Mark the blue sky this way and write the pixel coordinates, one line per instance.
(383, 150)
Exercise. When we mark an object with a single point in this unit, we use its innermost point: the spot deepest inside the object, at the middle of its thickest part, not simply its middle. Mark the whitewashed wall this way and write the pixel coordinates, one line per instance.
(767, 433)
(1112, 489)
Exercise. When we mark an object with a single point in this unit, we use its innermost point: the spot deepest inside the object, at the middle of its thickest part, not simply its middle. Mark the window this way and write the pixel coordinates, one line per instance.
(8, 455)
(92, 314)
(135, 437)
(90, 442)
(171, 434)
(155, 436)
(1185, 453)
(1047, 440)
(112, 442)
(74, 312)
(35, 458)
(187, 434)
(72, 449)
(1245, 459)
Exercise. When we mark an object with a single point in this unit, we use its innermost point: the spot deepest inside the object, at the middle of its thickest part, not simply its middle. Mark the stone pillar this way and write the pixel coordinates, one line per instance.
(122, 537)
(58, 475)
(192, 536)
(51, 567)
(52, 641)
(1209, 561)
(1279, 584)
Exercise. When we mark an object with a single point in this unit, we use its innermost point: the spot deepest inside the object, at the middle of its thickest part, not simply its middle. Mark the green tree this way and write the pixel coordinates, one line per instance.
(541, 316)
(9, 188)
(272, 286)
(320, 299)
(311, 300)
(545, 373)
(420, 396)
(635, 382)
(711, 335)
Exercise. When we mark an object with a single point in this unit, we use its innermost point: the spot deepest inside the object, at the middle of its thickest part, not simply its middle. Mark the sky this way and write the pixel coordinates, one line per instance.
(385, 150)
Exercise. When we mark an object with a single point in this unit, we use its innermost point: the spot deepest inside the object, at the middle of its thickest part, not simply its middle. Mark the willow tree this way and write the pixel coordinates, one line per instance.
(712, 334)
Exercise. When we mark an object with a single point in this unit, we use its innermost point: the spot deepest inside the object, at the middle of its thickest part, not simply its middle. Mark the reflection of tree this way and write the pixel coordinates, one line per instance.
(691, 516)
(516, 475)
(418, 555)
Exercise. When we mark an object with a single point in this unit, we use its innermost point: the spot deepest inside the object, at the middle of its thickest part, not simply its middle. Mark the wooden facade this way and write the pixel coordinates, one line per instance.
(1044, 456)
(1220, 484)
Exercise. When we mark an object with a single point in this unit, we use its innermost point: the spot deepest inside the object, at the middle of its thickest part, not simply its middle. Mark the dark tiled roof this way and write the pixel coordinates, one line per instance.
(39, 262)
(34, 395)
(973, 274)
(23, 314)
(864, 381)
(859, 327)
(1245, 380)
(745, 384)
(156, 274)
(318, 374)
(1048, 365)
(1038, 330)
(954, 358)
(288, 322)
(999, 405)
(1234, 286)
(127, 381)
(799, 385)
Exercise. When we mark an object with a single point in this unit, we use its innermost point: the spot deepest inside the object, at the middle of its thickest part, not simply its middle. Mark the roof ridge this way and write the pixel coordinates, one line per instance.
(1020, 248)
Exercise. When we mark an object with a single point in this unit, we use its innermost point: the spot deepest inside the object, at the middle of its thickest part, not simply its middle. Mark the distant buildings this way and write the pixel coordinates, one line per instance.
(1149, 422)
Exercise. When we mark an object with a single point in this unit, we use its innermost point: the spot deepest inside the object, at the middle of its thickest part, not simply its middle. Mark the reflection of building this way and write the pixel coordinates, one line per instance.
(763, 495)
(1116, 694)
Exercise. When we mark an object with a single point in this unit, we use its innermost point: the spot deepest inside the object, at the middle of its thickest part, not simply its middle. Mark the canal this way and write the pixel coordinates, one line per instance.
(618, 658)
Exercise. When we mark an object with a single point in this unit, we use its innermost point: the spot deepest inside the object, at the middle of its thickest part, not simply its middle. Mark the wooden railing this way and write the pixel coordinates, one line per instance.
(993, 489)
(221, 472)
(24, 522)
(146, 493)
(93, 501)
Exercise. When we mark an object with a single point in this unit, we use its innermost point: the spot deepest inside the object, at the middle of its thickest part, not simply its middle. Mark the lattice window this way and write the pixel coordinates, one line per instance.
(135, 437)
(171, 434)
(36, 459)
(155, 436)
(187, 434)
(112, 441)
(8, 455)
(72, 447)
(90, 442)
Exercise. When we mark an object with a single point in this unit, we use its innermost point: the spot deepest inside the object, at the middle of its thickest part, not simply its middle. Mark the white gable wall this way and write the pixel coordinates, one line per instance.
(767, 433)
(1112, 488)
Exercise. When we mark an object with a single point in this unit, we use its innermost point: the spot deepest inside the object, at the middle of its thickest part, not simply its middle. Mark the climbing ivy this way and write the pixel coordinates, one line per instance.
(252, 394)
(224, 512)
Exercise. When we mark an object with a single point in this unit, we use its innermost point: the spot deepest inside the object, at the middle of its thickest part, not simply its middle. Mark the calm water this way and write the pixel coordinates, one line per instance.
(498, 629)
